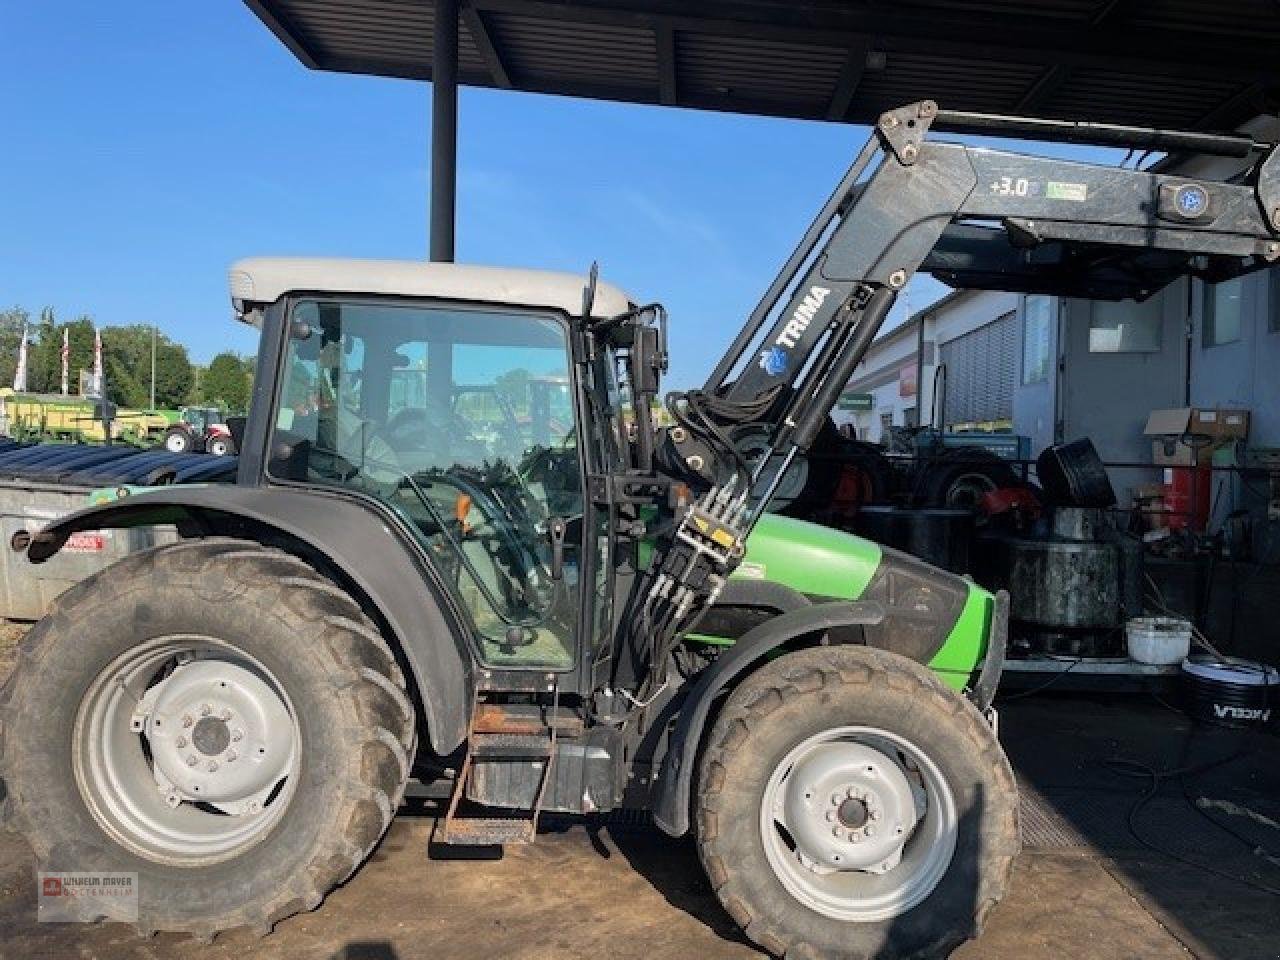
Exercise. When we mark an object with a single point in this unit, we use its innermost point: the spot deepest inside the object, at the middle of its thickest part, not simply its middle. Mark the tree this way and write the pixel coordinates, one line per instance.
(43, 358)
(227, 383)
(12, 323)
(127, 359)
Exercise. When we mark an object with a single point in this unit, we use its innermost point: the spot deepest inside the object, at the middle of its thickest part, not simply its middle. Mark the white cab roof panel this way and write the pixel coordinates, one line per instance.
(267, 279)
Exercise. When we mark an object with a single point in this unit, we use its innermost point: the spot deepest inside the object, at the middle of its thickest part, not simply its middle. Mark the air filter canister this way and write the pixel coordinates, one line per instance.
(1231, 692)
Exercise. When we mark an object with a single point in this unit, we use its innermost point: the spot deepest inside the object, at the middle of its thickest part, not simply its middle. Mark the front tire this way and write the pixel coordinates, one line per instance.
(267, 657)
(817, 762)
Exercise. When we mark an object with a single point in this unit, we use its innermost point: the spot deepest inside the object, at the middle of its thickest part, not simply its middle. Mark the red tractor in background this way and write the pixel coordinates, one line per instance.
(200, 430)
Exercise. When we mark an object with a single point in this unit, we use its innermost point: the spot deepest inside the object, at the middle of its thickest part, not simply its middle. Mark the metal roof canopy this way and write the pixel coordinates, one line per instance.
(1192, 64)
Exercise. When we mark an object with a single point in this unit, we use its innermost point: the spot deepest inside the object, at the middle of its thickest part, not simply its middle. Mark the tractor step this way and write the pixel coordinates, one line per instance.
(510, 746)
(486, 831)
(528, 718)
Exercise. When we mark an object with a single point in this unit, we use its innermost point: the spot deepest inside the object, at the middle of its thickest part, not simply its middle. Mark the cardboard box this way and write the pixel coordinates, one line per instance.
(1148, 499)
(1198, 421)
(1172, 452)
(1187, 436)
(1233, 424)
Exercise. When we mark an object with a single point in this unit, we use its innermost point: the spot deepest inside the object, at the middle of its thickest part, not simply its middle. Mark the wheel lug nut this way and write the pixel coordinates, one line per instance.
(192, 761)
(870, 831)
(231, 755)
(837, 832)
(837, 799)
(180, 741)
(205, 710)
(225, 715)
(213, 766)
(851, 793)
(237, 736)
(873, 814)
(831, 816)
(187, 721)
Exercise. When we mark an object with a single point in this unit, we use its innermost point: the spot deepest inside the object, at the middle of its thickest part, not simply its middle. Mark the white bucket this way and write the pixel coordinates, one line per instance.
(1158, 640)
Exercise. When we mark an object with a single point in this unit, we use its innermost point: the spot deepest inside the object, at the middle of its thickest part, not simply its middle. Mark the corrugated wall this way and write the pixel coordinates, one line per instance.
(982, 372)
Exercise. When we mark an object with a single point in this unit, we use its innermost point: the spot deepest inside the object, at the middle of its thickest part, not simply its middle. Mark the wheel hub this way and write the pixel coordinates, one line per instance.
(211, 736)
(853, 814)
(848, 807)
(218, 734)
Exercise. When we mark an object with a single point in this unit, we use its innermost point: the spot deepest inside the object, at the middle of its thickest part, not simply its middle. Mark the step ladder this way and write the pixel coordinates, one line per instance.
(501, 734)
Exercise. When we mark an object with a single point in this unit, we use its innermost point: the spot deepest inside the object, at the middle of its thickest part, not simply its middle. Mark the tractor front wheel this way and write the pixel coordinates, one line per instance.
(215, 718)
(220, 446)
(852, 806)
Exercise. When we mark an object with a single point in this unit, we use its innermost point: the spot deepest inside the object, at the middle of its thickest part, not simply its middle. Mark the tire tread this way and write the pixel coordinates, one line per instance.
(374, 683)
(846, 669)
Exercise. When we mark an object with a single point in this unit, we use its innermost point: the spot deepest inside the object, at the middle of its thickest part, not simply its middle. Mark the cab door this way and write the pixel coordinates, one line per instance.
(461, 419)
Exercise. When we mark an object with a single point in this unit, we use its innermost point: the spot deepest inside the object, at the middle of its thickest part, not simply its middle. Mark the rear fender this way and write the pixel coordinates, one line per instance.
(366, 545)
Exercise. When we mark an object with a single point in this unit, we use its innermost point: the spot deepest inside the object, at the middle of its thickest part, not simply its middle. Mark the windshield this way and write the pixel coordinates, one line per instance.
(462, 421)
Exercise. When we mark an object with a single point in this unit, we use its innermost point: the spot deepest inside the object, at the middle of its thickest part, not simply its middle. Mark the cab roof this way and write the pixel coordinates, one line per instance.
(267, 279)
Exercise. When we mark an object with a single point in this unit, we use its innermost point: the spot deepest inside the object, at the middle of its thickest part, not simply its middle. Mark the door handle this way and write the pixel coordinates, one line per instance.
(556, 528)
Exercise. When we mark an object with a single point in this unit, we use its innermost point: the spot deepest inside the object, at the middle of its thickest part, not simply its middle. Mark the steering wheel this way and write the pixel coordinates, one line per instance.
(414, 430)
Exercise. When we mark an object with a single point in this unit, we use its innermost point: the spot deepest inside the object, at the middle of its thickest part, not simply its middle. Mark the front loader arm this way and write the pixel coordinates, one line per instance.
(972, 216)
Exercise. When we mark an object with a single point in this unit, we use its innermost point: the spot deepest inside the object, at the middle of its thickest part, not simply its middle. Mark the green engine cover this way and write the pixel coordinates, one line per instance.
(822, 562)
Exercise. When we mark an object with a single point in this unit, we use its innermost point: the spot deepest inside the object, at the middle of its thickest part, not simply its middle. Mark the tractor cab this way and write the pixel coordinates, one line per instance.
(202, 419)
(460, 415)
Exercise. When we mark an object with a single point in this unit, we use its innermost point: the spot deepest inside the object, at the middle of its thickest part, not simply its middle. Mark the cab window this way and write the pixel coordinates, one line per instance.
(462, 421)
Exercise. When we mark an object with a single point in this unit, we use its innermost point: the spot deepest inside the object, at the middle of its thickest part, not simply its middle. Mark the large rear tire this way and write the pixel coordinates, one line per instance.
(852, 806)
(178, 439)
(216, 718)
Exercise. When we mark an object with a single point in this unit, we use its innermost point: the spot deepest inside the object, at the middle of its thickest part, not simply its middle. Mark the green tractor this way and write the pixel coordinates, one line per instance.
(461, 559)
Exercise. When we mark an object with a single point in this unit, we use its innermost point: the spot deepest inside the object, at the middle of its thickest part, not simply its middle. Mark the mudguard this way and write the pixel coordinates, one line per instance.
(675, 780)
(367, 544)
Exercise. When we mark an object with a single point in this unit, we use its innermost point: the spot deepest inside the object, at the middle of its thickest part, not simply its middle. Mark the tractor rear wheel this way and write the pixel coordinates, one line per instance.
(216, 718)
(178, 439)
(852, 806)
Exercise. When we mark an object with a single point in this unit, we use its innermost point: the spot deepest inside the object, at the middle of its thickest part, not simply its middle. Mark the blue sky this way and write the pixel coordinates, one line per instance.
(149, 144)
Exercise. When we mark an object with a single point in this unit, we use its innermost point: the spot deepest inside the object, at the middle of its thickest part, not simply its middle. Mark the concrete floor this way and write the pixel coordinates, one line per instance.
(574, 895)
(628, 892)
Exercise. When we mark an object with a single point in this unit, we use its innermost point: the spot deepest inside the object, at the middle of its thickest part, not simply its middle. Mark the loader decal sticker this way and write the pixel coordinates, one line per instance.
(773, 360)
(1075, 192)
(802, 317)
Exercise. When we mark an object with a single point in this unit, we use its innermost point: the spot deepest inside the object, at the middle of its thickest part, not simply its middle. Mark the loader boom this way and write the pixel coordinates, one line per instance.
(972, 217)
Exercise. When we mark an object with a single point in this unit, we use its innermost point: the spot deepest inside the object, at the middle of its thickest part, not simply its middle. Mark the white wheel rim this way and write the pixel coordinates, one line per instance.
(841, 835)
(186, 750)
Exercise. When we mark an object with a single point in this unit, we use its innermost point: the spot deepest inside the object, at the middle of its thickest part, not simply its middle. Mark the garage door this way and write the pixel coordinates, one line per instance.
(982, 370)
